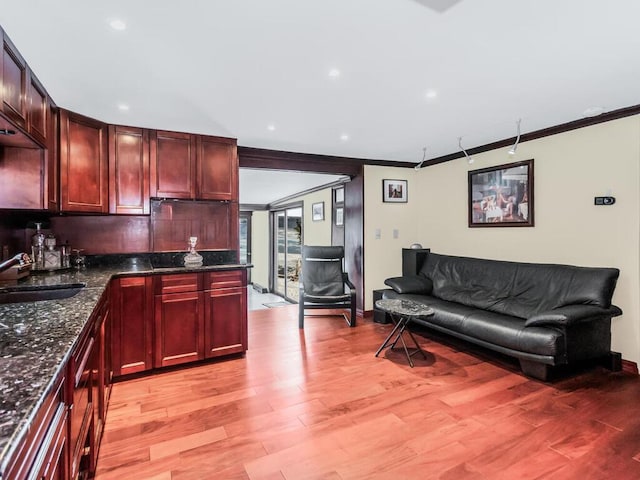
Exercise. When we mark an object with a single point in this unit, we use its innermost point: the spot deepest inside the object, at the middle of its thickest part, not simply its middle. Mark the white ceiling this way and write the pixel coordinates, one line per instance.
(233, 68)
(261, 187)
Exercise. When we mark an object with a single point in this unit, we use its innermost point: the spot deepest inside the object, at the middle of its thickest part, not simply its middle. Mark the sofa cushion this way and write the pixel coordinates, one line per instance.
(494, 328)
(410, 284)
(517, 289)
(510, 332)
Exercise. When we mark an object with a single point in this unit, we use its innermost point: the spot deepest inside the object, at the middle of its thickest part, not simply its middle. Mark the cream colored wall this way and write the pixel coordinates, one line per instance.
(260, 248)
(569, 170)
(383, 256)
(316, 233)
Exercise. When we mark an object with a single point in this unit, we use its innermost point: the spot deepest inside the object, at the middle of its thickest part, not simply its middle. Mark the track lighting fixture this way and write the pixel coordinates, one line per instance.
(512, 150)
(424, 156)
(469, 159)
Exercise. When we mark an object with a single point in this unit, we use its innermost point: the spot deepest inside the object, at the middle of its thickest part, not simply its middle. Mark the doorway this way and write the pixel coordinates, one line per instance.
(287, 231)
(244, 236)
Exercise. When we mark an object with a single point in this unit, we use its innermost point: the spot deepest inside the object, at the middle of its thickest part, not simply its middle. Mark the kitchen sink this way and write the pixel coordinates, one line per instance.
(36, 294)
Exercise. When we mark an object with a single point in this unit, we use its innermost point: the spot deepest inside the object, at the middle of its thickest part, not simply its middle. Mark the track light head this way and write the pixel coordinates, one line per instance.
(470, 160)
(424, 156)
(514, 148)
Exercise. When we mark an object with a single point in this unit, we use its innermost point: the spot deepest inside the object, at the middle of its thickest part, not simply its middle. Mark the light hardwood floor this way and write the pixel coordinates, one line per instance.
(317, 404)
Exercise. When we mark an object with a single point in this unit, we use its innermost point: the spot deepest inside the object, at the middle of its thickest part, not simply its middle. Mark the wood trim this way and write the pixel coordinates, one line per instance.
(629, 367)
(545, 132)
(250, 157)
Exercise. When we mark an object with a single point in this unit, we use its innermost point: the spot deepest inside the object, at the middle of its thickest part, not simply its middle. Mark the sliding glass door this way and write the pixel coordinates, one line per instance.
(287, 229)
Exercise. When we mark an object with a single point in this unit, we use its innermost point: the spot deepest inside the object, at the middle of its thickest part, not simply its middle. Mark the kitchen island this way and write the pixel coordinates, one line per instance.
(38, 341)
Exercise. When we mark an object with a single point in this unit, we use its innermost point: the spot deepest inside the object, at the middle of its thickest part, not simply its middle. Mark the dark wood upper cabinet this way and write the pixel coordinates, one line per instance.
(193, 167)
(21, 178)
(37, 110)
(52, 160)
(83, 164)
(128, 170)
(173, 165)
(14, 83)
(217, 172)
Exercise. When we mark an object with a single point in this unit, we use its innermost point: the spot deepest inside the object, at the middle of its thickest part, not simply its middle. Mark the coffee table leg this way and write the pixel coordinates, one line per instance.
(398, 330)
(386, 342)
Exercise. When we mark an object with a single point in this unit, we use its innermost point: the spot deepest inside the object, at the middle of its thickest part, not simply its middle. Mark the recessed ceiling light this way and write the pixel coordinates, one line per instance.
(271, 127)
(117, 24)
(431, 94)
(334, 73)
(123, 107)
(344, 137)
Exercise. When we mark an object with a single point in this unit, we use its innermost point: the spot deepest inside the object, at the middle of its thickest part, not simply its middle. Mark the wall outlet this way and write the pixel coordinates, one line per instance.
(396, 233)
(378, 234)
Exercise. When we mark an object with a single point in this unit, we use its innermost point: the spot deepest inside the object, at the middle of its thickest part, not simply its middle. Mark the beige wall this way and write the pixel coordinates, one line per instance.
(260, 248)
(570, 169)
(315, 233)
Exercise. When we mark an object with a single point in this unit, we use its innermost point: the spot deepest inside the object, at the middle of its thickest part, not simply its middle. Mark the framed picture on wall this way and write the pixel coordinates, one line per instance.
(317, 211)
(339, 216)
(394, 191)
(501, 196)
(339, 195)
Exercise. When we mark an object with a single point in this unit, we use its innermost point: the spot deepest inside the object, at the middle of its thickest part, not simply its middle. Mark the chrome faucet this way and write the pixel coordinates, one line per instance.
(19, 259)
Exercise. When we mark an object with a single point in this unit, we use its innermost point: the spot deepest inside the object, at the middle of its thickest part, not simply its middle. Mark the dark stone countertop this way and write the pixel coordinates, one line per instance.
(36, 338)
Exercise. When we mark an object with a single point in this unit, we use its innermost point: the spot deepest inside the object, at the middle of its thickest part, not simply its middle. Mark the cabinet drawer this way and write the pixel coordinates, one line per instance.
(33, 442)
(177, 283)
(225, 279)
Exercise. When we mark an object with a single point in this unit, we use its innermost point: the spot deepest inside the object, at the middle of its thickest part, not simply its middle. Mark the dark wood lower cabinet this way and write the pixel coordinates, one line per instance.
(86, 393)
(224, 333)
(131, 325)
(43, 453)
(179, 328)
(140, 323)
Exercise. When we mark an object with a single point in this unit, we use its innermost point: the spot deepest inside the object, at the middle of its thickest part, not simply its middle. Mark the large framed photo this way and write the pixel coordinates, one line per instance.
(502, 196)
(317, 211)
(394, 191)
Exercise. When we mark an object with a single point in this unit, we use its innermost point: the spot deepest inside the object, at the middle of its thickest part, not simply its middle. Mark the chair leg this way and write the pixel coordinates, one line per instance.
(352, 320)
(301, 313)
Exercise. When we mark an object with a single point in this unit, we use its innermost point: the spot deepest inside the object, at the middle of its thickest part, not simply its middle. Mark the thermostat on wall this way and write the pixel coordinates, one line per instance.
(604, 200)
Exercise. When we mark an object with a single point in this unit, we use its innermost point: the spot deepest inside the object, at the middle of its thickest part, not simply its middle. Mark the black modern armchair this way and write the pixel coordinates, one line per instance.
(323, 284)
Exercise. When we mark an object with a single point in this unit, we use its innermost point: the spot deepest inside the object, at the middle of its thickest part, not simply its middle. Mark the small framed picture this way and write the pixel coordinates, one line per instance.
(394, 191)
(339, 195)
(317, 211)
(339, 216)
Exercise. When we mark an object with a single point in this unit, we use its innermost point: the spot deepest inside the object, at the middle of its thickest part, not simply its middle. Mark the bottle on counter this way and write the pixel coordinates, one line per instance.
(51, 254)
(37, 248)
(193, 258)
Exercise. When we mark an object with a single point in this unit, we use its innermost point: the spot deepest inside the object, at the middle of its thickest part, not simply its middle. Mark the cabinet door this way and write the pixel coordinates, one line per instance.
(226, 321)
(217, 171)
(52, 161)
(131, 325)
(14, 83)
(173, 165)
(179, 332)
(83, 164)
(37, 110)
(21, 179)
(128, 170)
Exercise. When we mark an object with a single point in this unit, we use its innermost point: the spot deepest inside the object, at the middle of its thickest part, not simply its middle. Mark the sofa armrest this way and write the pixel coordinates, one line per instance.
(571, 314)
(410, 284)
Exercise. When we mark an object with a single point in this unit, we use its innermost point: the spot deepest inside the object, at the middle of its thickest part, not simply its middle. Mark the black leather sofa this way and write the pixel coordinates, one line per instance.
(545, 315)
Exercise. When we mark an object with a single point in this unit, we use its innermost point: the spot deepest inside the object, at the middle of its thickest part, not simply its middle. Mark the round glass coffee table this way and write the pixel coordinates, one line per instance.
(402, 312)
